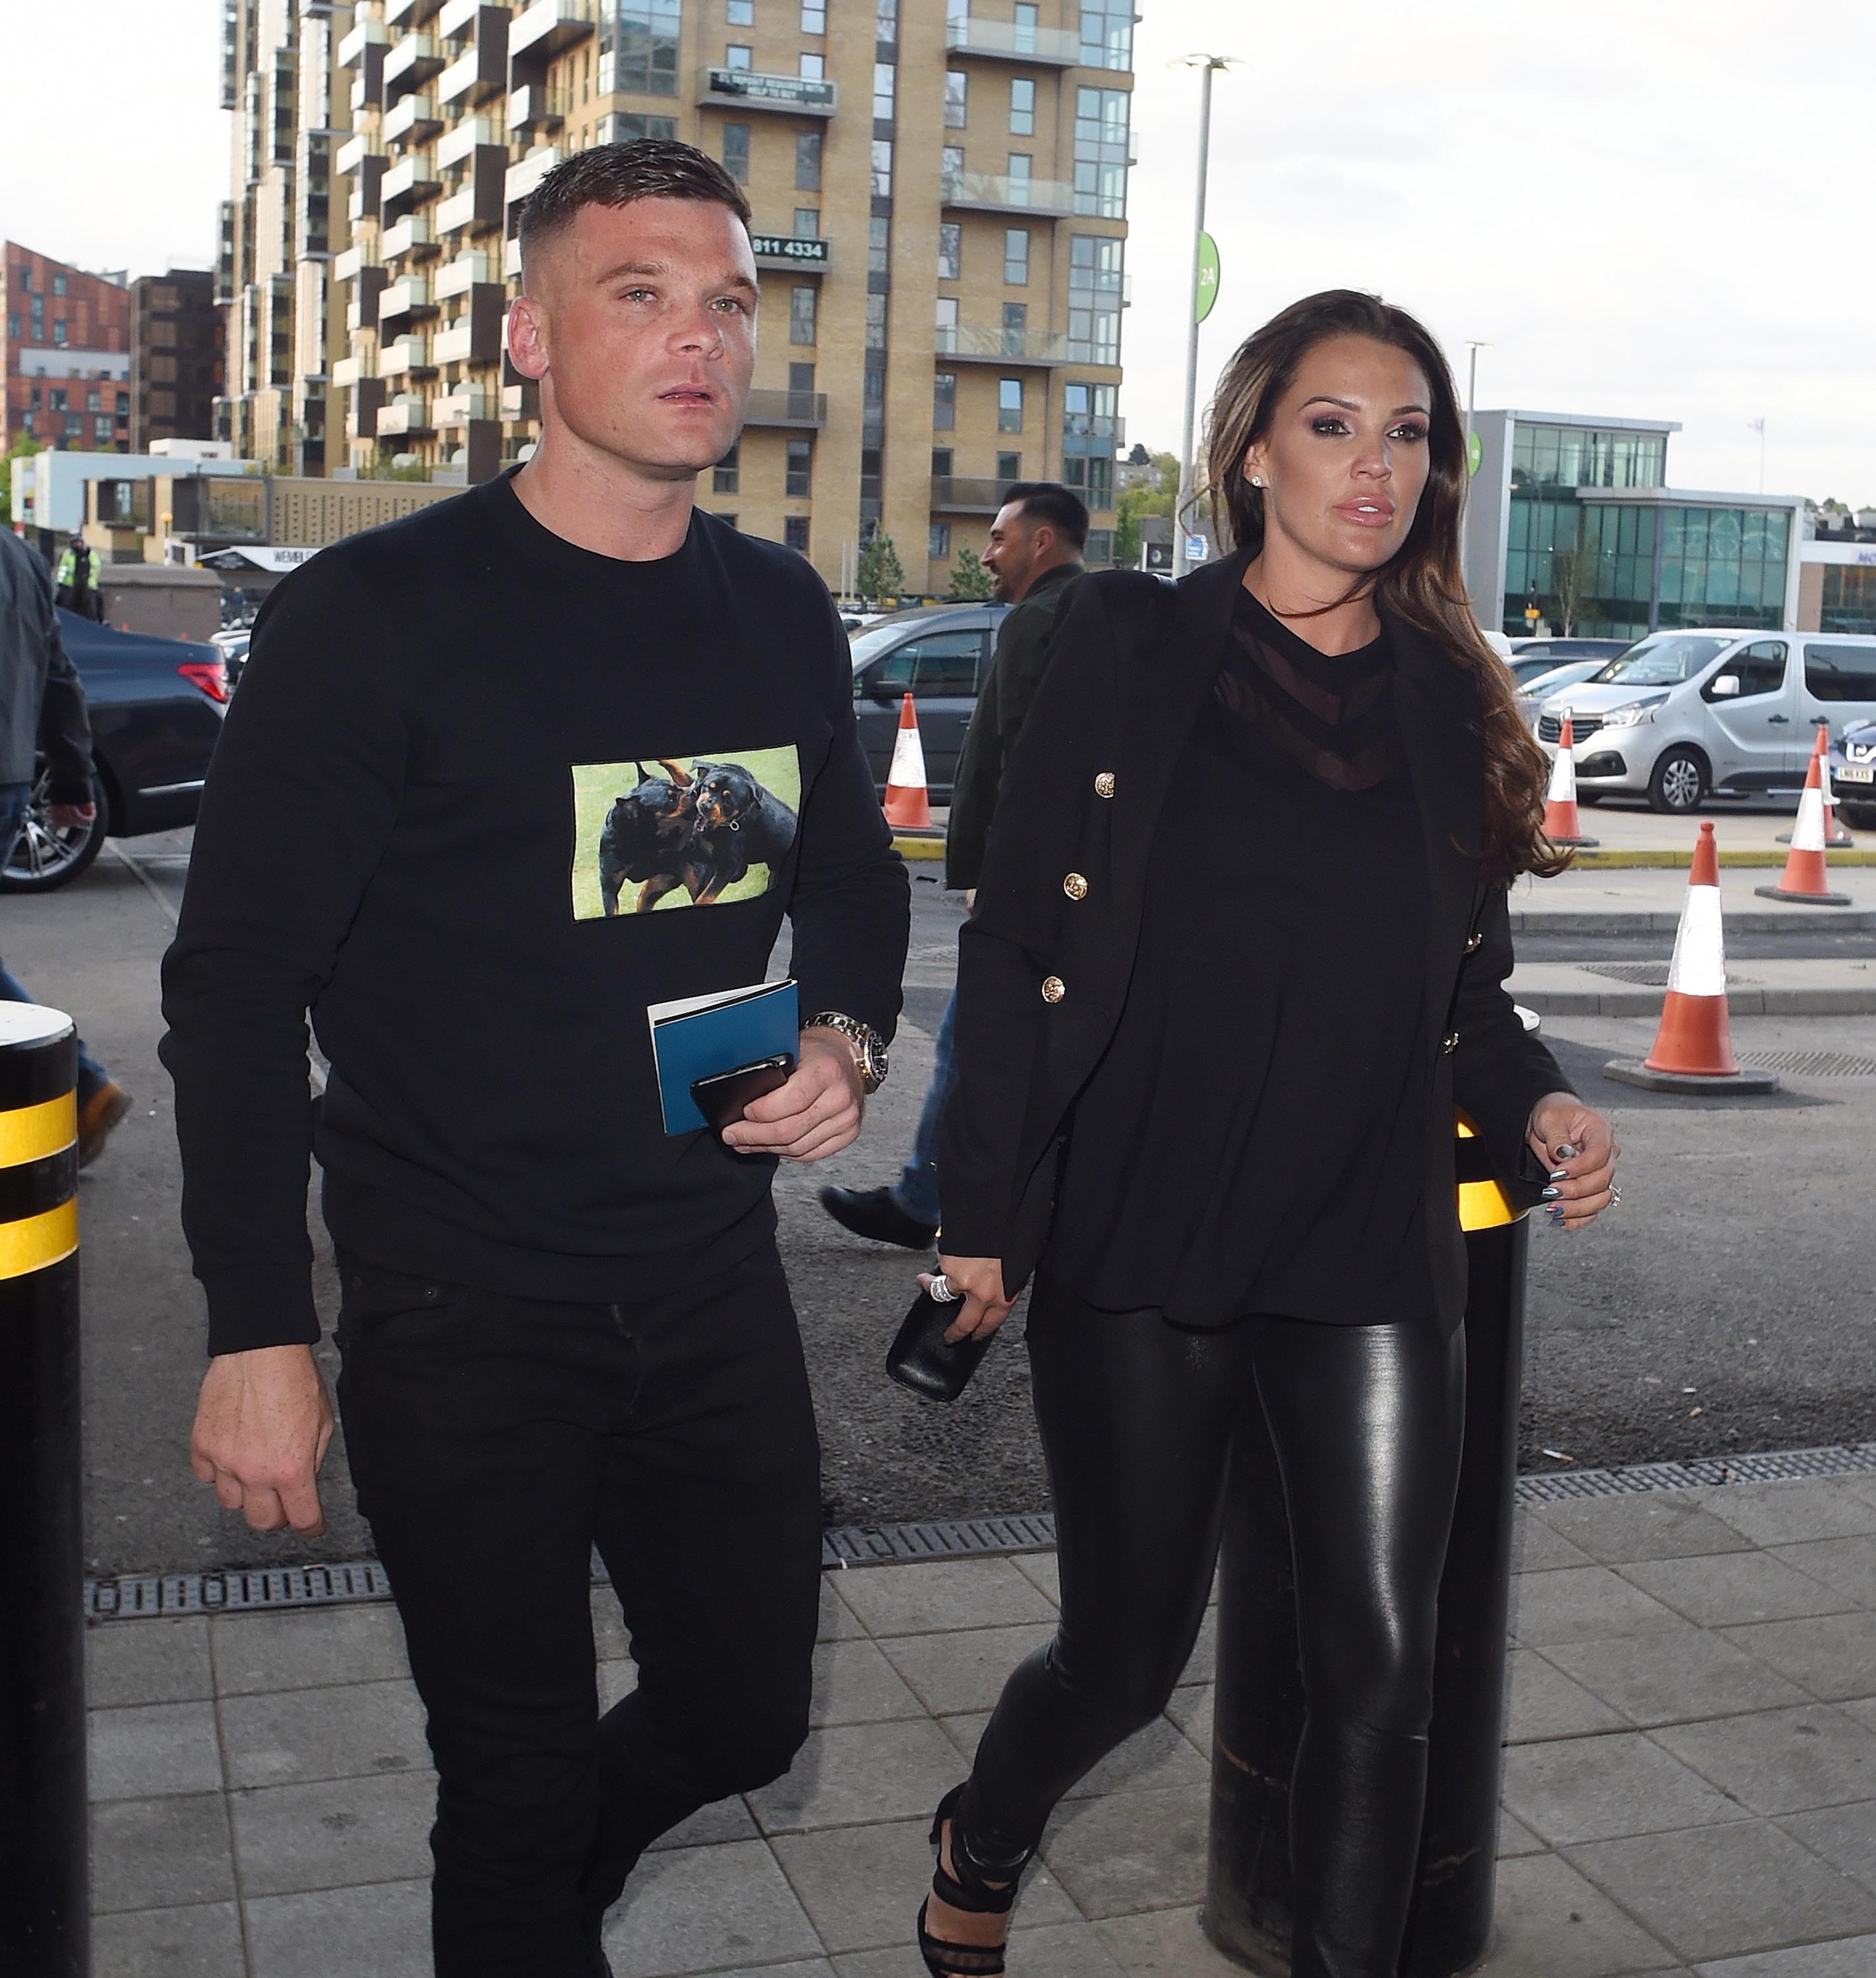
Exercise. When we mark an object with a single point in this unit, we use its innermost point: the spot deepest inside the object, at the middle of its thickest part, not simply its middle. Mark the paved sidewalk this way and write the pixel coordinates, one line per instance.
(1690, 1785)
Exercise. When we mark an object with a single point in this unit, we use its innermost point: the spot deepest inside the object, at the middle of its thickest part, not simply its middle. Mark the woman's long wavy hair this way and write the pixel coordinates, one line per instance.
(1422, 584)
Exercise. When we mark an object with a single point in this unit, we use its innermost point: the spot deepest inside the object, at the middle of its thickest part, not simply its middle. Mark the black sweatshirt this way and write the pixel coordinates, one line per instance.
(473, 808)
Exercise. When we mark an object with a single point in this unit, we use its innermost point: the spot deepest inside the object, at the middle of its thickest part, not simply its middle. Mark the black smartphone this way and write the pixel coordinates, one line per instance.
(721, 1097)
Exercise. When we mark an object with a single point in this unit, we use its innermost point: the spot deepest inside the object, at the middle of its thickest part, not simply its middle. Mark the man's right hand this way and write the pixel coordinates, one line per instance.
(262, 1424)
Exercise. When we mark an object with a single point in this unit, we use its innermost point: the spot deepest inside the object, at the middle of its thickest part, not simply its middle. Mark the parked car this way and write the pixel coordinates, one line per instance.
(1534, 692)
(1853, 774)
(157, 707)
(1720, 711)
(936, 652)
(232, 644)
(1532, 656)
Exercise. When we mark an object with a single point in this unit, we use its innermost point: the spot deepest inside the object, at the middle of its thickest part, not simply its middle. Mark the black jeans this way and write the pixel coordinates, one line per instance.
(1138, 1419)
(494, 1441)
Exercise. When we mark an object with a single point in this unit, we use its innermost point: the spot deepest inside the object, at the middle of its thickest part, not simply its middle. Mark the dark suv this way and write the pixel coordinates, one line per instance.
(937, 652)
(1853, 774)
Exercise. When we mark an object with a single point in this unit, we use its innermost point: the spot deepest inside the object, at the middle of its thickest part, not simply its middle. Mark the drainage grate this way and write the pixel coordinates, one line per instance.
(1645, 974)
(153, 1595)
(1812, 1064)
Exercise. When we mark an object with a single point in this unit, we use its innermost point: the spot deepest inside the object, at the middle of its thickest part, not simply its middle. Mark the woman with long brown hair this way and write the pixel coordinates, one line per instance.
(1238, 954)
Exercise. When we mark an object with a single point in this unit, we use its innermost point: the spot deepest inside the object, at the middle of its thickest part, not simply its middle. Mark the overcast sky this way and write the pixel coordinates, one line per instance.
(1651, 208)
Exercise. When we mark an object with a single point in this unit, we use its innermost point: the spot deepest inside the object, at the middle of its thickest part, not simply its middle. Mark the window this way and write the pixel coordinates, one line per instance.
(1761, 668)
(1101, 547)
(938, 539)
(948, 323)
(1840, 673)
(886, 20)
(795, 533)
(951, 250)
(736, 152)
(1027, 13)
(58, 331)
(878, 245)
(1010, 404)
(885, 78)
(724, 474)
(957, 98)
(1094, 283)
(93, 401)
(1022, 107)
(741, 13)
(1021, 165)
(944, 403)
(730, 519)
(58, 397)
(638, 41)
(812, 68)
(738, 56)
(882, 168)
(58, 284)
(626, 127)
(800, 391)
(74, 424)
(1101, 152)
(1009, 467)
(876, 322)
(1091, 475)
(1016, 257)
(101, 426)
(26, 420)
(813, 17)
(23, 275)
(942, 666)
(1107, 35)
(807, 222)
(942, 460)
(803, 301)
(1016, 330)
(38, 398)
(807, 161)
(12, 326)
(800, 471)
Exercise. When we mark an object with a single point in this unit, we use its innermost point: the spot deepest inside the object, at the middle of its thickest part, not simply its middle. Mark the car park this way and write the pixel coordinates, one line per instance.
(1853, 774)
(1533, 693)
(156, 706)
(1719, 711)
(938, 654)
(1530, 657)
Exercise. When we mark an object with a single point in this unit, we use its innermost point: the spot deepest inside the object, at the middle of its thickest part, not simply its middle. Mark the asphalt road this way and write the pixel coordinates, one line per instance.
(1730, 1306)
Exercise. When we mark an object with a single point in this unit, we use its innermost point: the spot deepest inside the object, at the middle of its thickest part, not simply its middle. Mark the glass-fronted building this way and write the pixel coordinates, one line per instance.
(1573, 528)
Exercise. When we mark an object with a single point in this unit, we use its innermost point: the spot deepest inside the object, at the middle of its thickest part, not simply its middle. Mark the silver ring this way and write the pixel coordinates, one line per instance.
(939, 1288)
(1615, 1194)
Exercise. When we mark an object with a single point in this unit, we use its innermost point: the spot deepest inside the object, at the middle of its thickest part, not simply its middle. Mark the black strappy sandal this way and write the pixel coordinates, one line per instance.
(965, 1889)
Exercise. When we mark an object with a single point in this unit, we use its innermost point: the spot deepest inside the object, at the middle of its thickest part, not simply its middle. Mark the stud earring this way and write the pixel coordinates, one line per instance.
(1257, 481)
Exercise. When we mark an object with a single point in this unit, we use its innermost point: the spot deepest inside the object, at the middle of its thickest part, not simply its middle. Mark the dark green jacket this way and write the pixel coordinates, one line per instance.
(1008, 692)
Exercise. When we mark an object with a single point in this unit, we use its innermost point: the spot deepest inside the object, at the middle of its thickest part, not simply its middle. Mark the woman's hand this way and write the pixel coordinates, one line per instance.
(978, 1282)
(1577, 1147)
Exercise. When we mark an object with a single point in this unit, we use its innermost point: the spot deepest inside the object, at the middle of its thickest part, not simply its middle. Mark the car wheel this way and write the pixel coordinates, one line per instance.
(1678, 786)
(1858, 816)
(1588, 796)
(44, 858)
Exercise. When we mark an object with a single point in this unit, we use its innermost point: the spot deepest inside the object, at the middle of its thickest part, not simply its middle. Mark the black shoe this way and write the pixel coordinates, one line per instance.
(871, 1211)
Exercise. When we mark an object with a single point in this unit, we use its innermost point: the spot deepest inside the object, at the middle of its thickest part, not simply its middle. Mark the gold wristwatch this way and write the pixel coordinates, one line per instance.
(869, 1047)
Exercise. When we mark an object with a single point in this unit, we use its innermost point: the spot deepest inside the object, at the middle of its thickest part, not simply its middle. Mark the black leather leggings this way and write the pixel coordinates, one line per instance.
(1138, 1418)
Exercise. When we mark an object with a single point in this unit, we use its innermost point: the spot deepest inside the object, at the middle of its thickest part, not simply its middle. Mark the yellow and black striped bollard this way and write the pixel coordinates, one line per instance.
(44, 1929)
(1259, 1712)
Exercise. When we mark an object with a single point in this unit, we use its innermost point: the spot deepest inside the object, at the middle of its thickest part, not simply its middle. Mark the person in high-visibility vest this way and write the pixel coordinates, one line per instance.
(77, 579)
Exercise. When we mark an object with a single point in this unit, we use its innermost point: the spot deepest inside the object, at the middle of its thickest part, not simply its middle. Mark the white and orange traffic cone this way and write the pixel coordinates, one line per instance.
(1561, 824)
(1804, 880)
(1836, 834)
(908, 807)
(1693, 1047)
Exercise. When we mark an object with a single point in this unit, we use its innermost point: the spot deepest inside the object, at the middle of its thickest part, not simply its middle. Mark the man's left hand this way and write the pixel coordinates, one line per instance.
(817, 1114)
(69, 817)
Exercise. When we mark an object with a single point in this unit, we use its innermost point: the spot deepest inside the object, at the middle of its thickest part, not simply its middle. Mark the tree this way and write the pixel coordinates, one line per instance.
(1571, 570)
(24, 448)
(880, 575)
(970, 581)
(1145, 497)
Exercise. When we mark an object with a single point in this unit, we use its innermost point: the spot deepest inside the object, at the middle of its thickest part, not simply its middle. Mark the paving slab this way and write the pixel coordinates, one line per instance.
(1577, 1789)
(1733, 1588)
(1130, 1851)
(147, 1854)
(151, 1748)
(148, 1661)
(1545, 1703)
(1668, 1678)
(1160, 1755)
(379, 1932)
(943, 1596)
(849, 1775)
(323, 1648)
(1831, 1656)
(854, 1684)
(1781, 1761)
(1846, 1566)
(1552, 1923)
(1589, 1603)
(966, 1670)
(700, 1909)
(1771, 1514)
(1847, 1958)
(1845, 1836)
(328, 1732)
(1643, 1525)
(334, 1832)
(202, 1940)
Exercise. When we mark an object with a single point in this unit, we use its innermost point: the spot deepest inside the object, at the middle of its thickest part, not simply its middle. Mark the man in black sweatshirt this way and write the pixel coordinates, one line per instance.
(559, 1326)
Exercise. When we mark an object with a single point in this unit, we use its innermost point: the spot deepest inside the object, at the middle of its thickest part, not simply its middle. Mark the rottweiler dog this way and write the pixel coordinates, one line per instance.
(650, 837)
(740, 825)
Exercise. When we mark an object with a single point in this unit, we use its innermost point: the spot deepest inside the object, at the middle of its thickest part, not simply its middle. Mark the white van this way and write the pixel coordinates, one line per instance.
(1684, 715)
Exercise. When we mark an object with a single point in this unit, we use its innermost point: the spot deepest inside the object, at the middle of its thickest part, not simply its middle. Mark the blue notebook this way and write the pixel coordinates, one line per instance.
(700, 1035)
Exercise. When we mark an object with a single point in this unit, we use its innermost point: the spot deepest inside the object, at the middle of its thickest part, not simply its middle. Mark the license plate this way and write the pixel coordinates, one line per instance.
(1857, 772)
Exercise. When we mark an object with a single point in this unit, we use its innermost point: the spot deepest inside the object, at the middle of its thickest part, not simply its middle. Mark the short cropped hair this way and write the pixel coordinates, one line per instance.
(1049, 502)
(616, 174)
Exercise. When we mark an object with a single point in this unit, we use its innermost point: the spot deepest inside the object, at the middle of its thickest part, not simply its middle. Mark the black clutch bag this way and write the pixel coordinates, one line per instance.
(920, 1359)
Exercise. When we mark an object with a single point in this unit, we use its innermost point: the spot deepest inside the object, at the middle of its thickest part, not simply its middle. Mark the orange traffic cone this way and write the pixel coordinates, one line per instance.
(1693, 1048)
(1804, 879)
(1836, 835)
(908, 807)
(1561, 825)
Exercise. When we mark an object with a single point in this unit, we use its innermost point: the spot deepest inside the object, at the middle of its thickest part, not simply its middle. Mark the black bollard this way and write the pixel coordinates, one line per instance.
(1259, 1700)
(44, 1905)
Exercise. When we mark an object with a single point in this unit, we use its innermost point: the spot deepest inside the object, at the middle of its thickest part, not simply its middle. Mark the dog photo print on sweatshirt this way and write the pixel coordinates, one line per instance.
(684, 831)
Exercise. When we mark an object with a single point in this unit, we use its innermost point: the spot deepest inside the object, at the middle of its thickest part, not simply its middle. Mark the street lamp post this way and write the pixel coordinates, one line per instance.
(1474, 345)
(1207, 66)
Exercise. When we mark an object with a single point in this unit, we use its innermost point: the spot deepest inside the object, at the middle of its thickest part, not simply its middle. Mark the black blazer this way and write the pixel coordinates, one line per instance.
(1045, 960)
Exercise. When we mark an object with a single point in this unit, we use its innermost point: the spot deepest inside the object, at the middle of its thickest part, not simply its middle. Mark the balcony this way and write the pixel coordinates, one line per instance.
(475, 203)
(406, 356)
(412, 62)
(511, 259)
(454, 146)
(351, 48)
(800, 254)
(804, 410)
(354, 151)
(411, 237)
(520, 402)
(410, 13)
(456, 409)
(531, 108)
(359, 256)
(1003, 40)
(349, 371)
(475, 340)
(407, 300)
(406, 417)
(997, 192)
(754, 89)
(412, 181)
(476, 77)
(1092, 432)
(457, 277)
(549, 28)
(971, 345)
(411, 120)
(960, 494)
(520, 180)
(361, 310)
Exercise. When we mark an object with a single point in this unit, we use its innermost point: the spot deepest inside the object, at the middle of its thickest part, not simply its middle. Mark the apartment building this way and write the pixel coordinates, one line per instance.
(64, 353)
(176, 375)
(939, 189)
